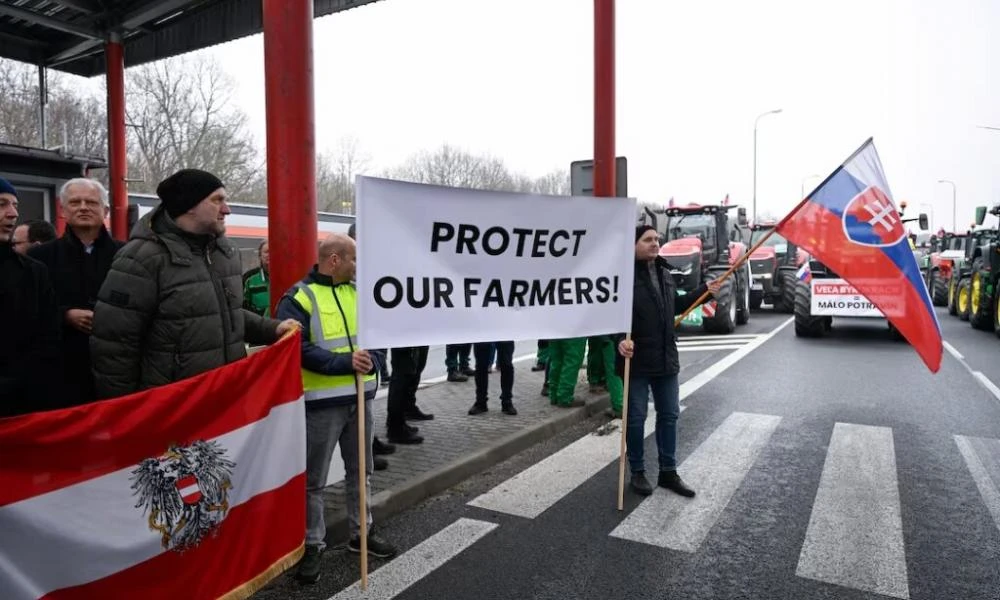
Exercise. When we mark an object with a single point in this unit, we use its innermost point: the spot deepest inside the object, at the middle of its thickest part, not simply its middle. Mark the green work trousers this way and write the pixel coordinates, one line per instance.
(565, 359)
(601, 368)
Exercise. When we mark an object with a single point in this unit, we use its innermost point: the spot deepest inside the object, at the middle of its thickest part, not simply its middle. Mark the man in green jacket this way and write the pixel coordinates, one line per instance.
(171, 306)
(257, 284)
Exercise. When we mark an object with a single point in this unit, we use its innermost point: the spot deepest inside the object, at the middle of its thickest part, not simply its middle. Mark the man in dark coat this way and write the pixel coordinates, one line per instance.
(29, 354)
(655, 363)
(78, 262)
(172, 304)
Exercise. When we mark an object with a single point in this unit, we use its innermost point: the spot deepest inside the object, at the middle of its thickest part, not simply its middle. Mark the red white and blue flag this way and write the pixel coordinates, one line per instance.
(804, 274)
(850, 224)
(190, 490)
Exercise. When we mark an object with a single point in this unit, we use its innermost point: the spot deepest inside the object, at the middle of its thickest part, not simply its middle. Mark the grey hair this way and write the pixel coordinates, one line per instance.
(84, 181)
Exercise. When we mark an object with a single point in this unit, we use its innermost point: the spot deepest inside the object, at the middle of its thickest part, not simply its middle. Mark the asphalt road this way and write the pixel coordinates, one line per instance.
(831, 468)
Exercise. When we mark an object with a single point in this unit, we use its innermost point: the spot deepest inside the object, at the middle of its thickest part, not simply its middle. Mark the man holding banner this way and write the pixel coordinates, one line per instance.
(325, 304)
(655, 362)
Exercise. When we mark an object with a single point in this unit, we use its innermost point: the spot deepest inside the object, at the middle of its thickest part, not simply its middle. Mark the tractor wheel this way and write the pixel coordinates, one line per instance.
(939, 289)
(724, 320)
(996, 308)
(806, 324)
(962, 303)
(743, 293)
(953, 295)
(979, 303)
(756, 299)
(786, 302)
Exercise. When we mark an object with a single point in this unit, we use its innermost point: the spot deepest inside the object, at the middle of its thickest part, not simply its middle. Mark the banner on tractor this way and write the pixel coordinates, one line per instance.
(441, 265)
(190, 490)
(851, 225)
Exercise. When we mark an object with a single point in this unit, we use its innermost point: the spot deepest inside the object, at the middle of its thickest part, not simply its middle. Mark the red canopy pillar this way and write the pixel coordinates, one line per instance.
(114, 55)
(291, 142)
(604, 98)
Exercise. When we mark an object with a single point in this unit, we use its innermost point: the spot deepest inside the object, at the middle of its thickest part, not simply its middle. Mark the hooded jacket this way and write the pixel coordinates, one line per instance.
(170, 308)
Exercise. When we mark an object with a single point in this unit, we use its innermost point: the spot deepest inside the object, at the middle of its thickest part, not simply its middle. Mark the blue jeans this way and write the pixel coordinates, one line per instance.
(666, 400)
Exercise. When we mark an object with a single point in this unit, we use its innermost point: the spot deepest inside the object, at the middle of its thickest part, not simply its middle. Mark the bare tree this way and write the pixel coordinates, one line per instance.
(182, 116)
(454, 167)
(75, 121)
(335, 173)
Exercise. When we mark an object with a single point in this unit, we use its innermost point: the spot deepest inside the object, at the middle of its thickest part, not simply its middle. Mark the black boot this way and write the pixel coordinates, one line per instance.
(457, 377)
(309, 566)
(640, 485)
(672, 481)
(380, 447)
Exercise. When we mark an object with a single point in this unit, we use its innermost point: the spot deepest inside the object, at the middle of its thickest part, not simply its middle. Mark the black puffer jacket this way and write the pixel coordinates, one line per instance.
(30, 356)
(652, 326)
(170, 308)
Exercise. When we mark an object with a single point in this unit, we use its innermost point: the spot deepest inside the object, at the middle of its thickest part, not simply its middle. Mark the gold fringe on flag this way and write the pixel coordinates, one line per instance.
(265, 577)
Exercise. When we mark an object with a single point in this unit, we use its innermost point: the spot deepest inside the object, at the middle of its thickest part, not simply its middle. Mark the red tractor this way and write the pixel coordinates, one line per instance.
(947, 252)
(773, 267)
(700, 242)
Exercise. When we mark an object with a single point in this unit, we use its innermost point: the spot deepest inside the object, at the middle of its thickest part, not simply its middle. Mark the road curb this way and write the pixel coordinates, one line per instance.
(390, 502)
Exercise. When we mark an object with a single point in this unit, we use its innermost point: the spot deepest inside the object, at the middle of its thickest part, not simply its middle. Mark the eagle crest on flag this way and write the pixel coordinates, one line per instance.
(185, 492)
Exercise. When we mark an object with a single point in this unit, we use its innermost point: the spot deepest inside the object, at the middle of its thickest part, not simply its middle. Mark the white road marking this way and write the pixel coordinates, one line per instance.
(716, 469)
(978, 375)
(984, 465)
(695, 383)
(532, 491)
(416, 563)
(855, 533)
(709, 348)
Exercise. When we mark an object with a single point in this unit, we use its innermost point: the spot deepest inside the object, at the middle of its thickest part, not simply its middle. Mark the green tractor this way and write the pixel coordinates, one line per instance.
(963, 273)
(984, 276)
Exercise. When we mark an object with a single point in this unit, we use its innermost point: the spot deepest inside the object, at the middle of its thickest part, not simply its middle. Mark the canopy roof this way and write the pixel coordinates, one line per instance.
(69, 35)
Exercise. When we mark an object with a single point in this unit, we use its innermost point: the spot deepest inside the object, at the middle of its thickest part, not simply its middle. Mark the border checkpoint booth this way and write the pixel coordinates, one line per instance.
(37, 174)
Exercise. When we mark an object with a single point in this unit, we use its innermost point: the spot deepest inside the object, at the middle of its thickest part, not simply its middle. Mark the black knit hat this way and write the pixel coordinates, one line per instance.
(7, 188)
(183, 190)
(642, 229)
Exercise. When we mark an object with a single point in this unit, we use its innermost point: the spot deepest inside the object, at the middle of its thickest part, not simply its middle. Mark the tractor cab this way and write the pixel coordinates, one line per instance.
(700, 242)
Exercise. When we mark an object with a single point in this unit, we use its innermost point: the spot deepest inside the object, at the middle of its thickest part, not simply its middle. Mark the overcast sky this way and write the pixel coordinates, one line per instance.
(514, 79)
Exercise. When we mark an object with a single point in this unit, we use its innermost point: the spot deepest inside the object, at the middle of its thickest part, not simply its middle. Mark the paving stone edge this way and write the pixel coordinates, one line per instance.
(394, 501)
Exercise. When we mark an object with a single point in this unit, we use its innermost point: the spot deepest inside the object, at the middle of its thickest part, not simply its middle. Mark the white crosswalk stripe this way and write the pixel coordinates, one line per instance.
(719, 465)
(854, 538)
(712, 343)
(855, 534)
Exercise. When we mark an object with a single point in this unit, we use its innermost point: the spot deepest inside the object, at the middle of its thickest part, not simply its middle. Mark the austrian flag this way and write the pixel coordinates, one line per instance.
(192, 490)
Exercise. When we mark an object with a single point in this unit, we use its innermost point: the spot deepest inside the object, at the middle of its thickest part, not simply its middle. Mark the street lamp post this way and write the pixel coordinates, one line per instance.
(802, 186)
(764, 114)
(954, 210)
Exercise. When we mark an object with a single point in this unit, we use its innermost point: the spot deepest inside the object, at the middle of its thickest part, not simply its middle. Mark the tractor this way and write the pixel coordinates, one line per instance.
(960, 284)
(984, 295)
(701, 242)
(947, 250)
(821, 294)
(773, 267)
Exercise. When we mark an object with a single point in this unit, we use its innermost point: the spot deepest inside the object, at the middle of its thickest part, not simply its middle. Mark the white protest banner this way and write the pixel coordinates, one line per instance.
(440, 265)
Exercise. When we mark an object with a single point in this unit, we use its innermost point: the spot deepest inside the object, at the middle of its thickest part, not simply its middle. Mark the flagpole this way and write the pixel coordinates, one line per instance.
(362, 479)
(621, 455)
(742, 260)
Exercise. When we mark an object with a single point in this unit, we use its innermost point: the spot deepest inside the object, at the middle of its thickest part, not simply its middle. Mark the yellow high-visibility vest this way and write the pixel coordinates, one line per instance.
(334, 330)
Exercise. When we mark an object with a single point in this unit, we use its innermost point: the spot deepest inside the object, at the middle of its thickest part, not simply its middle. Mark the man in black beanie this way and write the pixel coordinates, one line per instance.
(172, 305)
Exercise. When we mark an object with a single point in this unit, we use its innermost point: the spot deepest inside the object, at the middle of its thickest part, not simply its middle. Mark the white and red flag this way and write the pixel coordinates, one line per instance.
(191, 490)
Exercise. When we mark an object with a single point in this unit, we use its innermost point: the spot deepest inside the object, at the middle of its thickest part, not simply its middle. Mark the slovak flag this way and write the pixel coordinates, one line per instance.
(850, 224)
(804, 274)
